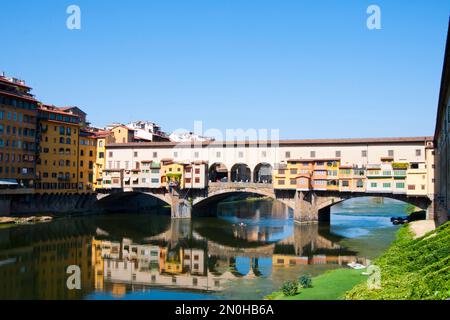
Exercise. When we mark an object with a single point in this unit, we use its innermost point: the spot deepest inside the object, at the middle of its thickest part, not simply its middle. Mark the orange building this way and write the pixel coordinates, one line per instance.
(18, 112)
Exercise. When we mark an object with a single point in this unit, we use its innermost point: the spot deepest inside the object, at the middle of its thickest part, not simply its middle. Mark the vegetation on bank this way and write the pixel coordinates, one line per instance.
(412, 269)
(331, 285)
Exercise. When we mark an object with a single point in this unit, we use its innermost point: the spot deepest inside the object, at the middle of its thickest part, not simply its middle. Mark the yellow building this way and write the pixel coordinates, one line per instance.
(172, 174)
(87, 150)
(286, 175)
(98, 263)
(171, 260)
(333, 174)
(416, 180)
(103, 138)
(122, 134)
(57, 160)
(304, 175)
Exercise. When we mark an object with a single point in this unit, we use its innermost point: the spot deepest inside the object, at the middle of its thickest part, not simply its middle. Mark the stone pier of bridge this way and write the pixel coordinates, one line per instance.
(308, 206)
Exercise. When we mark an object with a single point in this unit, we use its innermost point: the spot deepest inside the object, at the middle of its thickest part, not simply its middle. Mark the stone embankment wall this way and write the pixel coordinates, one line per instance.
(76, 204)
(56, 204)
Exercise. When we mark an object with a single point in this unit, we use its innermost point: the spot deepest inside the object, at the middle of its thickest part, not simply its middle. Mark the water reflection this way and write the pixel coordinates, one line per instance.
(124, 254)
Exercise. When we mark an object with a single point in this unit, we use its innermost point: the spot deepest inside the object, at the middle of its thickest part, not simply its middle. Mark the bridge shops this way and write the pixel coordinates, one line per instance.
(309, 176)
(398, 166)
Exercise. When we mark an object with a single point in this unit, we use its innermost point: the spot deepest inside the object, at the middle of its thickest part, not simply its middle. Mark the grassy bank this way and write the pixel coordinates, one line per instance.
(331, 285)
(412, 268)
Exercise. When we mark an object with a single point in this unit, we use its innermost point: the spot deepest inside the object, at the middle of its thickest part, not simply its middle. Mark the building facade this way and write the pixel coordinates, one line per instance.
(58, 157)
(442, 140)
(87, 150)
(388, 165)
(18, 119)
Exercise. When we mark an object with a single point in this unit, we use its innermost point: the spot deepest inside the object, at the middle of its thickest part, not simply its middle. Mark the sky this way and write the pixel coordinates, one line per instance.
(311, 69)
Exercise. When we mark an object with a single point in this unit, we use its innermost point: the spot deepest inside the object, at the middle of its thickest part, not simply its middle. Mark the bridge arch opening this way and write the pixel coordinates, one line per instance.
(263, 173)
(133, 202)
(240, 172)
(389, 205)
(218, 172)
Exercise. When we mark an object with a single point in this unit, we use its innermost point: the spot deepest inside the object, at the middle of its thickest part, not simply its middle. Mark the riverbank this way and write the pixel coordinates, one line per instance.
(10, 221)
(331, 285)
(412, 268)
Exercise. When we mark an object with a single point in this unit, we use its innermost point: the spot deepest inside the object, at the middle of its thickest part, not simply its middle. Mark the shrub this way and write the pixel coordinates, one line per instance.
(305, 281)
(290, 288)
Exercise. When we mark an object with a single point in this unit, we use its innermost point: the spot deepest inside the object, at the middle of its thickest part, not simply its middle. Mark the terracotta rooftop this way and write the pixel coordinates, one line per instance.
(19, 84)
(281, 143)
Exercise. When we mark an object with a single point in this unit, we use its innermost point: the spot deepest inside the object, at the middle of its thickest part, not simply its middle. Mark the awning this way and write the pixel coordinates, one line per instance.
(8, 182)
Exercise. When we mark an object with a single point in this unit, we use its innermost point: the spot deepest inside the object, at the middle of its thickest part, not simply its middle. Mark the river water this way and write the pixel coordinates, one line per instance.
(246, 252)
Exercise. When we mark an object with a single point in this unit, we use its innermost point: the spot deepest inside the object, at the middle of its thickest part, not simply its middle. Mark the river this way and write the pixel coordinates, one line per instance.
(246, 252)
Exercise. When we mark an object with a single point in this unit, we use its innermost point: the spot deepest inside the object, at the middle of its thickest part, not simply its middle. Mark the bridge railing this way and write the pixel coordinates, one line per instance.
(239, 185)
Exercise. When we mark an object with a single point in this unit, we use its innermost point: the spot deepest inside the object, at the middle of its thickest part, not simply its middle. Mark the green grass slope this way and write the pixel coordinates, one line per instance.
(412, 269)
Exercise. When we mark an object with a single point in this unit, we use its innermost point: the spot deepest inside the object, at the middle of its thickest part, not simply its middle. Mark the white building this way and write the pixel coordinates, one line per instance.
(147, 131)
(188, 137)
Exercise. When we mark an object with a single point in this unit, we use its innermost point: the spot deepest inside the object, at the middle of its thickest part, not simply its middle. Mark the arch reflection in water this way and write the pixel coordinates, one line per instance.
(119, 255)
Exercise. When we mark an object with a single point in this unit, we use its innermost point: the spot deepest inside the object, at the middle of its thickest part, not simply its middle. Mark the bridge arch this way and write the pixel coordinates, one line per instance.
(223, 192)
(263, 173)
(126, 201)
(218, 172)
(241, 172)
(324, 205)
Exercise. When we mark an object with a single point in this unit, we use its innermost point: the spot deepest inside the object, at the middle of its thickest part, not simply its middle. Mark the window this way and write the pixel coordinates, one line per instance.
(155, 154)
(218, 155)
(345, 183)
(293, 181)
(293, 171)
(400, 185)
(135, 154)
(411, 187)
(386, 185)
(241, 154)
(313, 154)
(287, 154)
(364, 153)
(197, 180)
(281, 182)
(390, 153)
(110, 154)
(175, 154)
(418, 153)
(338, 154)
(374, 185)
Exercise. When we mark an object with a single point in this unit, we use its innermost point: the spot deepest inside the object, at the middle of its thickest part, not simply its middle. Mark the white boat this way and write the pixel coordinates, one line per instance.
(356, 266)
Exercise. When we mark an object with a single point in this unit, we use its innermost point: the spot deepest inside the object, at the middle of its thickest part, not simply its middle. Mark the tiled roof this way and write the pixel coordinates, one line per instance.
(281, 143)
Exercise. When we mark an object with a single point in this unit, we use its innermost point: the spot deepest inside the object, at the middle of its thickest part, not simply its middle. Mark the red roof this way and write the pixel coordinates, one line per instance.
(5, 80)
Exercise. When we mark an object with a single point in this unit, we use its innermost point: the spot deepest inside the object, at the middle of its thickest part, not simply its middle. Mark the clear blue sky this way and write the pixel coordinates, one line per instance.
(309, 68)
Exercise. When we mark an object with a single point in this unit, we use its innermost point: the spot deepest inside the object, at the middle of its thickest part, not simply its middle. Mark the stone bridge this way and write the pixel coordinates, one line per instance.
(308, 206)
